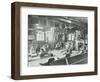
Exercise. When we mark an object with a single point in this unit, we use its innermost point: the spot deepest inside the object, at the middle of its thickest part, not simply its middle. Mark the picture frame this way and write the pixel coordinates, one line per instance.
(35, 24)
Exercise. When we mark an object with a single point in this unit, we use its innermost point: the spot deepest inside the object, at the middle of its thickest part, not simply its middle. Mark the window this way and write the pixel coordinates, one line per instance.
(40, 36)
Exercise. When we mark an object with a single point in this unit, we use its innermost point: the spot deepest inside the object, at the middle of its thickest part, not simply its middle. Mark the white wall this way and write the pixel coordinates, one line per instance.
(5, 40)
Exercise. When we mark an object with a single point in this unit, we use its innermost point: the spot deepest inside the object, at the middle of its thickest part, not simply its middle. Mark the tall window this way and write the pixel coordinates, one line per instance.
(71, 36)
(50, 35)
(40, 36)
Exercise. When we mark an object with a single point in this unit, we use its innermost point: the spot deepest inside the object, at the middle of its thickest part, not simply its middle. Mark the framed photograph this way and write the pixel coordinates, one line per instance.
(51, 40)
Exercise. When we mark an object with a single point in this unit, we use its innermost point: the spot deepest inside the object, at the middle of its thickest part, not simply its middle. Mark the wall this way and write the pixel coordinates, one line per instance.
(5, 40)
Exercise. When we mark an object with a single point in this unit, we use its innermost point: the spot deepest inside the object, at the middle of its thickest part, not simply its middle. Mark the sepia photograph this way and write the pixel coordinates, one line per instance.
(57, 40)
